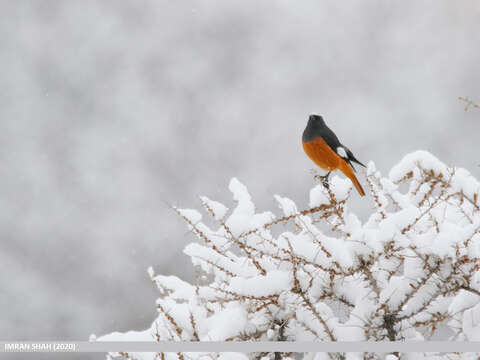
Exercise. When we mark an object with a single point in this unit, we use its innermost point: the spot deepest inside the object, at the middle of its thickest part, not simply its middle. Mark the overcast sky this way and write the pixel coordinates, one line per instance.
(110, 111)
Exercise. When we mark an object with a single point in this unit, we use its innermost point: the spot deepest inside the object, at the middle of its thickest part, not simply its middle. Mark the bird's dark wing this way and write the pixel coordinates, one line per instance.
(330, 138)
(333, 142)
(343, 151)
(351, 157)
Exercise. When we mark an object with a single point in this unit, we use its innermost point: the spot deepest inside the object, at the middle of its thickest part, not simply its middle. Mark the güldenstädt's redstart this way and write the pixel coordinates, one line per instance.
(323, 147)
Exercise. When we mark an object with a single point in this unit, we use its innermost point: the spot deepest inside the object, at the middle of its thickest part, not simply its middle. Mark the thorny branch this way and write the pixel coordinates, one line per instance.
(317, 282)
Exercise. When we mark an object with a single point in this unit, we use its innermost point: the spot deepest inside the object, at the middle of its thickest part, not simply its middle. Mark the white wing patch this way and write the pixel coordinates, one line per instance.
(341, 151)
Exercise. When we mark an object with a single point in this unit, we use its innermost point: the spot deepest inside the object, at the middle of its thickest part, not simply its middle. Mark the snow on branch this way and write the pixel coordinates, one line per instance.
(410, 272)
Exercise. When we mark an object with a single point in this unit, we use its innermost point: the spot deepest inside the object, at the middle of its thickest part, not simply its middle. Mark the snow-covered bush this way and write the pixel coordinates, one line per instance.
(410, 272)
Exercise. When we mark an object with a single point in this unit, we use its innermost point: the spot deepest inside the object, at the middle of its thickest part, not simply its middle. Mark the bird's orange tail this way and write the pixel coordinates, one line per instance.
(348, 171)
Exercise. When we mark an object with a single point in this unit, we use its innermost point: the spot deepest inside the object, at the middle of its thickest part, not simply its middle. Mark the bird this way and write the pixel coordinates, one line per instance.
(323, 147)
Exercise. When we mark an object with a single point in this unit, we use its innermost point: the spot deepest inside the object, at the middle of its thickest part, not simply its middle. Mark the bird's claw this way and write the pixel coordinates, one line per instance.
(326, 184)
(323, 179)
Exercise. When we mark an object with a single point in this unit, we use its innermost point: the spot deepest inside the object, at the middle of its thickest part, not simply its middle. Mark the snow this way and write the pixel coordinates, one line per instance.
(446, 240)
(411, 162)
(232, 356)
(462, 180)
(218, 209)
(288, 206)
(192, 215)
(340, 187)
(208, 258)
(150, 272)
(243, 217)
(464, 300)
(274, 282)
(323, 273)
(471, 323)
(177, 288)
(144, 335)
(226, 323)
(244, 200)
(318, 196)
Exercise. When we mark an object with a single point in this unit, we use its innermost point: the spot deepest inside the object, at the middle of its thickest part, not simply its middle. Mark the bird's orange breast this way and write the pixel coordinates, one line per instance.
(321, 154)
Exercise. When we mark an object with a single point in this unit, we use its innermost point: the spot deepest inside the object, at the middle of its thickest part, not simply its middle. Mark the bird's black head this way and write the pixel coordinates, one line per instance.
(314, 127)
(316, 120)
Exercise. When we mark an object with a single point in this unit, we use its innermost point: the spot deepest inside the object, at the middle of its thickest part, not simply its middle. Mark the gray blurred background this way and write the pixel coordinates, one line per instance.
(110, 111)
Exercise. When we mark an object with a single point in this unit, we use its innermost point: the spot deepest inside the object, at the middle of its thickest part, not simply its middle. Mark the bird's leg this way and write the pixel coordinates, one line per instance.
(324, 179)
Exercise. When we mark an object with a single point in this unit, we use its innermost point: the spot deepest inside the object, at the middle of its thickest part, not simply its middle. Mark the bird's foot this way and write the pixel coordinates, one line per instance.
(323, 179)
(326, 184)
